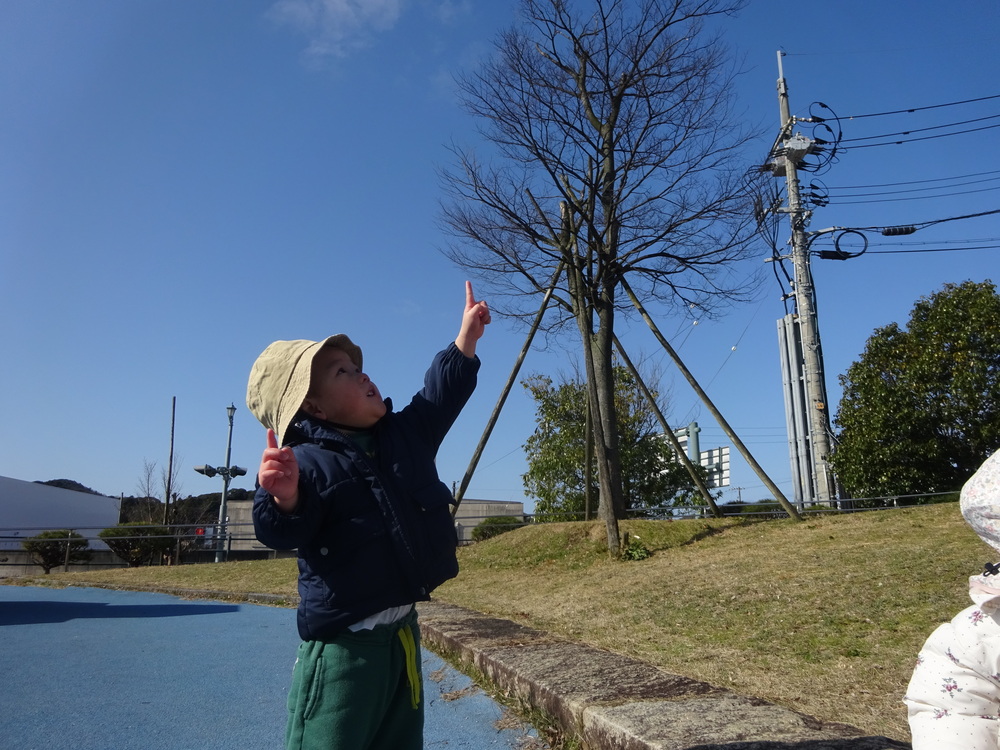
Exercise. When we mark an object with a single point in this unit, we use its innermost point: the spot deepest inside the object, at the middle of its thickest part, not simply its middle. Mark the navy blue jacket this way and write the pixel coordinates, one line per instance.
(372, 532)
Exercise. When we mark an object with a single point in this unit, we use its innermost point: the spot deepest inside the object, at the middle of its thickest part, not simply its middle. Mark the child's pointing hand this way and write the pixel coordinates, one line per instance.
(474, 322)
(279, 474)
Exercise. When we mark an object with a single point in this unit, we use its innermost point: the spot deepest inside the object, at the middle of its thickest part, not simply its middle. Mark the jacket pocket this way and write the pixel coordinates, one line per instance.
(438, 536)
(433, 496)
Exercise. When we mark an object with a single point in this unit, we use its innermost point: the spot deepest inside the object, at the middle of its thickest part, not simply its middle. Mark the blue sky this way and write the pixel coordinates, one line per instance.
(182, 183)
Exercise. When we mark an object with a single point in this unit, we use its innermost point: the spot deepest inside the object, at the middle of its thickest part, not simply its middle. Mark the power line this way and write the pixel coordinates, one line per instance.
(937, 250)
(823, 195)
(919, 130)
(959, 218)
(910, 190)
(940, 242)
(924, 138)
(736, 345)
(842, 202)
(921, 109)
(913, 182)
(891, 231)
(931, 222)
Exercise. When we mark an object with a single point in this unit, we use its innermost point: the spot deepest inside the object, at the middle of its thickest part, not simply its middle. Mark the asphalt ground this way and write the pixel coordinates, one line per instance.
(95, 669)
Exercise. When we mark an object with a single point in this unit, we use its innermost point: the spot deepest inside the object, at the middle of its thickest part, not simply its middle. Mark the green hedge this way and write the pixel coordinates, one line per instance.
(494, 526)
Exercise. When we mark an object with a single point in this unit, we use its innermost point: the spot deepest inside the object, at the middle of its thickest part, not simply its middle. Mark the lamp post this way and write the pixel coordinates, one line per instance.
(227, 472)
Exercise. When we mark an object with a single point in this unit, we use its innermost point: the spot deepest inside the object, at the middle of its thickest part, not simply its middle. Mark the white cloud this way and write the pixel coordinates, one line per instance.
(335, 28)
(448, 11)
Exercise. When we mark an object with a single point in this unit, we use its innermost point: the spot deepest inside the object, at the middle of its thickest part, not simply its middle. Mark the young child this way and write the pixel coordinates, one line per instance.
(354, 489)
(953, 698)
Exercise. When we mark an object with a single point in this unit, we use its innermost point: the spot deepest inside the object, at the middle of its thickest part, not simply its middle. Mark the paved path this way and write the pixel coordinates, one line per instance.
(93, 669)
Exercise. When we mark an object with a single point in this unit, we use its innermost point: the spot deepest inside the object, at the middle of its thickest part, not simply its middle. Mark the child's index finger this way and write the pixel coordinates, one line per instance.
(272, 439)
(470, 298)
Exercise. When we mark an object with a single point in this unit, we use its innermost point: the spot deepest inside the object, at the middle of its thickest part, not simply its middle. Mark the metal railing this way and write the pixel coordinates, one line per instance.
(197, 542)
(177, 544)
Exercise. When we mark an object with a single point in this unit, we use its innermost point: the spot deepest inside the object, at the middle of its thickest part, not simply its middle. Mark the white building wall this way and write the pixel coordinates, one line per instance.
(28, 508)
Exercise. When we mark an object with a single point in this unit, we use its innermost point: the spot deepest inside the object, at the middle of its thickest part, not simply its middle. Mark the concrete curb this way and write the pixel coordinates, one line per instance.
(614, 702)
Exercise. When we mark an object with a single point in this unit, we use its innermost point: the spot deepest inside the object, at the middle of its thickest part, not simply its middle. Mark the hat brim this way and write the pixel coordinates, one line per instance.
(280, 378)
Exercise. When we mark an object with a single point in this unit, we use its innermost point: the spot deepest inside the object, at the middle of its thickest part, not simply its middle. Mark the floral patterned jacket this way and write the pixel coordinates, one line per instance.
(953, 699)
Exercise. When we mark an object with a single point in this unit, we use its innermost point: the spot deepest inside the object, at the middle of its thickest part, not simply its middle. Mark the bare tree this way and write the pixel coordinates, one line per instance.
(170, 485)
(145, 507)
(617, 159)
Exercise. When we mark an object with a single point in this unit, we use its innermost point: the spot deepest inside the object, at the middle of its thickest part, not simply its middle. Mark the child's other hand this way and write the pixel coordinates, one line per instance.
(474, 322)
(279, 474)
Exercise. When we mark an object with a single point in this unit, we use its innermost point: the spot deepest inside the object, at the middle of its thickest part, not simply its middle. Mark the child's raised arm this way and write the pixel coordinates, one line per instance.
(474, 321)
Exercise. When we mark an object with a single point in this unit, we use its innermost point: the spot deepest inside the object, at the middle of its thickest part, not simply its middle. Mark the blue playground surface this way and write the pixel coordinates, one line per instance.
(95, 669)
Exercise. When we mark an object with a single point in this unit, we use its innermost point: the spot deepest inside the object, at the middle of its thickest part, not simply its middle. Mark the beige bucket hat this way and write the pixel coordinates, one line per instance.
(980, 501)
(279, 379)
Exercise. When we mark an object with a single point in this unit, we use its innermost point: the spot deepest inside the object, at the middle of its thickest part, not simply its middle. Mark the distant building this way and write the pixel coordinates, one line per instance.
(470, 514)
(240, 526)
(28, 508)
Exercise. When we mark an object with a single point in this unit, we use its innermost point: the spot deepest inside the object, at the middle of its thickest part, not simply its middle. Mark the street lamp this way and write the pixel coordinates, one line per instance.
(227, 472)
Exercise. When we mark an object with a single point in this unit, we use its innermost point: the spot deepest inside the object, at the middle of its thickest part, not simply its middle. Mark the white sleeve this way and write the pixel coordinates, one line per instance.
(953, 698)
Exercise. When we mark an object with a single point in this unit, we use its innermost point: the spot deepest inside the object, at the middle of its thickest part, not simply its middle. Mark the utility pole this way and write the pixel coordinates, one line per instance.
(170, 463)
(806, 328)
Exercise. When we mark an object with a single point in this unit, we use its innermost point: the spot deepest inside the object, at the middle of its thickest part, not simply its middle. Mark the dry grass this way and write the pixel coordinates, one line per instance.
(275, 577)
(824, 616)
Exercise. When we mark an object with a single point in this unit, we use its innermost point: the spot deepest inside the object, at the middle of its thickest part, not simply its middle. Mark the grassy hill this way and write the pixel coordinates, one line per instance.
(824, 616)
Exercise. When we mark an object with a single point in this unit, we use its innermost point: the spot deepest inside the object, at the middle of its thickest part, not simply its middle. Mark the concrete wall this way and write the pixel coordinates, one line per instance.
(240, 527)
(473, 512)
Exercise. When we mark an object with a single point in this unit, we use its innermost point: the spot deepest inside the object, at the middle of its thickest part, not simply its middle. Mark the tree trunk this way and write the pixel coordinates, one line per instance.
(612, 502)
(605, 441)
(597, 361)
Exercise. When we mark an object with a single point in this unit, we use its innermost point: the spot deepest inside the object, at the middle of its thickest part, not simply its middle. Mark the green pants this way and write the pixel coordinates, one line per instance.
(359, 691)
